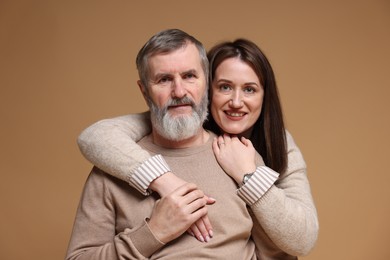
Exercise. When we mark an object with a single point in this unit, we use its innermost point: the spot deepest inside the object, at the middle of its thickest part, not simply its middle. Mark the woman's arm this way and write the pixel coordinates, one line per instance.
(286, 212)
(283, 207)
(110, 144)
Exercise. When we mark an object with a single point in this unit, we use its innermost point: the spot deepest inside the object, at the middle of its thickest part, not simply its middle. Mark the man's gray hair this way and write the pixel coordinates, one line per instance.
(166, 42)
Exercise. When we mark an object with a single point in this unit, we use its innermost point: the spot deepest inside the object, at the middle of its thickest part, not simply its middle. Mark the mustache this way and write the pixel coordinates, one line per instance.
(181, 101)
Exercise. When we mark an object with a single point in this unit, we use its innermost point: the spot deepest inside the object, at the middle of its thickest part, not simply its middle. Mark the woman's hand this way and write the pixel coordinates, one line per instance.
(167, 183)
(174, 213)
(236, 157)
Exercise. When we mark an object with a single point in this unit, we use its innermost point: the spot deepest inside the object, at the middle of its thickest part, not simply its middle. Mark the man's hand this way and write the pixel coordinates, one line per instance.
(174, 213)
(167, 183)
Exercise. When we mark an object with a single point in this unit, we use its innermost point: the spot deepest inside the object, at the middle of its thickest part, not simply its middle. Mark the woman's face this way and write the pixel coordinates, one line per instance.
(236, 97)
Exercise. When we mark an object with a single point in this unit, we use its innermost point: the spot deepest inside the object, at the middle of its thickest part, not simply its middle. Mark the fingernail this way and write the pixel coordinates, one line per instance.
(211, 233)
(201, 238)
(210, 198)
(207, 238)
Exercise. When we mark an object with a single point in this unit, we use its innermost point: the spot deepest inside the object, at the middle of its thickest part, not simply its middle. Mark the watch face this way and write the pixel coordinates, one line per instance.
(247, 177)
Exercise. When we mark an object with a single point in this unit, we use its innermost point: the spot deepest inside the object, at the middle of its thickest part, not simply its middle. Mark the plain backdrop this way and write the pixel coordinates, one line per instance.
(66, 64)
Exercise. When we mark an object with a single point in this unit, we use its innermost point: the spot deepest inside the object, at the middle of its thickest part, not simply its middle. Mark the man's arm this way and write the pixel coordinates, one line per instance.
(94, 233)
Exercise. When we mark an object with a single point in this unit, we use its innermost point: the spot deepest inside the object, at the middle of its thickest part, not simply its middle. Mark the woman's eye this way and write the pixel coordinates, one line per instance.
(224, 87)
(249, 90)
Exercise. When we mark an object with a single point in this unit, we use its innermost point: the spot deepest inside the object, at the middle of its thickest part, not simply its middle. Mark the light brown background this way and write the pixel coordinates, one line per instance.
(66, 64)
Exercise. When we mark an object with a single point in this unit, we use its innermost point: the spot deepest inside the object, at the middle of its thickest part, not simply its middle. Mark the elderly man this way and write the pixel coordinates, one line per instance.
(115, 222)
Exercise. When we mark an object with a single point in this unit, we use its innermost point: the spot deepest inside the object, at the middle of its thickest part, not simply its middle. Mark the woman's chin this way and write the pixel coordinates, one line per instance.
(240, 131)
(233, 131)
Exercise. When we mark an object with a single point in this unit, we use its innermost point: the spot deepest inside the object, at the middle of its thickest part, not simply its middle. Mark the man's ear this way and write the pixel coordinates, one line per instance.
(143, 90)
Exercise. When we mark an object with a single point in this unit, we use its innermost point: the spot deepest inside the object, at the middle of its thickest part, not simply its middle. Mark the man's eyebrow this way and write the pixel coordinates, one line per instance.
(161, 75)
(190, 71)
(166, 74)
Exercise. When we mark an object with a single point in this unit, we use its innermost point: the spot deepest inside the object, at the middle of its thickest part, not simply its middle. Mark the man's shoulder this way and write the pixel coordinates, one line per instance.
(146, 143)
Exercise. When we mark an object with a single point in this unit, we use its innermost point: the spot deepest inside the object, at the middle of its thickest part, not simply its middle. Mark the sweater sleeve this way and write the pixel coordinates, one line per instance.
(94, 234)
(286, 212)
(110, 144)
(260, 182)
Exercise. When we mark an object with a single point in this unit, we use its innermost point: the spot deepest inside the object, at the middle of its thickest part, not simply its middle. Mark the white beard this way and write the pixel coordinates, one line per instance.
(177, 128)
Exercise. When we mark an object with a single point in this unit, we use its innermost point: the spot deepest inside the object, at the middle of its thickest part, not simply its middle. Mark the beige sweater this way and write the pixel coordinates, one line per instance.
(110, 220)
(285, 216)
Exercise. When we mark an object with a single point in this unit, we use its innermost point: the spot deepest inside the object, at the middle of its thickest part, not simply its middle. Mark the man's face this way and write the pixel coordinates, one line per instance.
(177, 94)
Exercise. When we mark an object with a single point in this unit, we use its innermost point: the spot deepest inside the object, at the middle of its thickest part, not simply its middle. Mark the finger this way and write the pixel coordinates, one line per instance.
(193, 196)
(221, 141)
(208, 226)
(203, 230)
(210, 200)
(196, 205)
(227, 139)
(195, 230)
(192, 218)
(235, 139)
(190, 232)
(246, 142)
(184, 189)
(215, 146)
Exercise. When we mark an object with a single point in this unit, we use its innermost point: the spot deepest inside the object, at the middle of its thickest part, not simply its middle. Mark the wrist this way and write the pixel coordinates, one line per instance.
(166, 183)
(246, 178)
(244, 173)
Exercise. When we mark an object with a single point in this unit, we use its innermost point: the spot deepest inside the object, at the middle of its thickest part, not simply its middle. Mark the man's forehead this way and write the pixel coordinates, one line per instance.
(178, 61)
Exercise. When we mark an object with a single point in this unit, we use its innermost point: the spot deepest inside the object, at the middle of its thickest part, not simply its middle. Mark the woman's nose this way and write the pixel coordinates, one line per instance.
(236, 100)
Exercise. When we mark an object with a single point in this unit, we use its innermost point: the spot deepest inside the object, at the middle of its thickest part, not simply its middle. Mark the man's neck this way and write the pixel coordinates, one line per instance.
(199, 139)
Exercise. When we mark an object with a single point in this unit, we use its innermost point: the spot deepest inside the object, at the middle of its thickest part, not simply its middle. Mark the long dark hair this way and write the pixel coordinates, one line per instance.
(268, 135)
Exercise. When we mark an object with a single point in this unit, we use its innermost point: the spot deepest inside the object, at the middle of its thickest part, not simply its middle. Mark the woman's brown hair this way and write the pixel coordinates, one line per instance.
(268, 135)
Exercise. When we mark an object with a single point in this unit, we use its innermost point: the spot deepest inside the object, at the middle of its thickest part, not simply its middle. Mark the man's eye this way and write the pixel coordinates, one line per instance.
(189, 76)
(164, 80)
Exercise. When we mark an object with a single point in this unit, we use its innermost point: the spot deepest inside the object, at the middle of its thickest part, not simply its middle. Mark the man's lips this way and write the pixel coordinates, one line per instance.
(181, 107)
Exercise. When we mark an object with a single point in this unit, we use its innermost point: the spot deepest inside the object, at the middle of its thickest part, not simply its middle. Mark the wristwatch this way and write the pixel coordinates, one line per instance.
(247, 176)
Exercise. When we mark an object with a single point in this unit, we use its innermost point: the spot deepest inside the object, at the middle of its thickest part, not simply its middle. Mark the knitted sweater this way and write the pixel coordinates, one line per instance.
(110, 220)
(284, 213)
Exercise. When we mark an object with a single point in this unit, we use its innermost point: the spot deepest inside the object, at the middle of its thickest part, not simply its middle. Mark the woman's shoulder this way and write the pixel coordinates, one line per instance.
(293, 151)
(289, 139)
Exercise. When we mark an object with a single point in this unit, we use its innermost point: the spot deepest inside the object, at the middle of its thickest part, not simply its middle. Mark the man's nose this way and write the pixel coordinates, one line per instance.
(178, 89)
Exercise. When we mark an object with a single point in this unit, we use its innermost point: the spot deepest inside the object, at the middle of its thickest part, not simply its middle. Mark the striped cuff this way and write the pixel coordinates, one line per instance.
(260, 182)
(148, 171)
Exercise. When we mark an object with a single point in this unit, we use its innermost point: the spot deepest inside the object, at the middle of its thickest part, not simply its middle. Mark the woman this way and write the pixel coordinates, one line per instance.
(245, 104)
